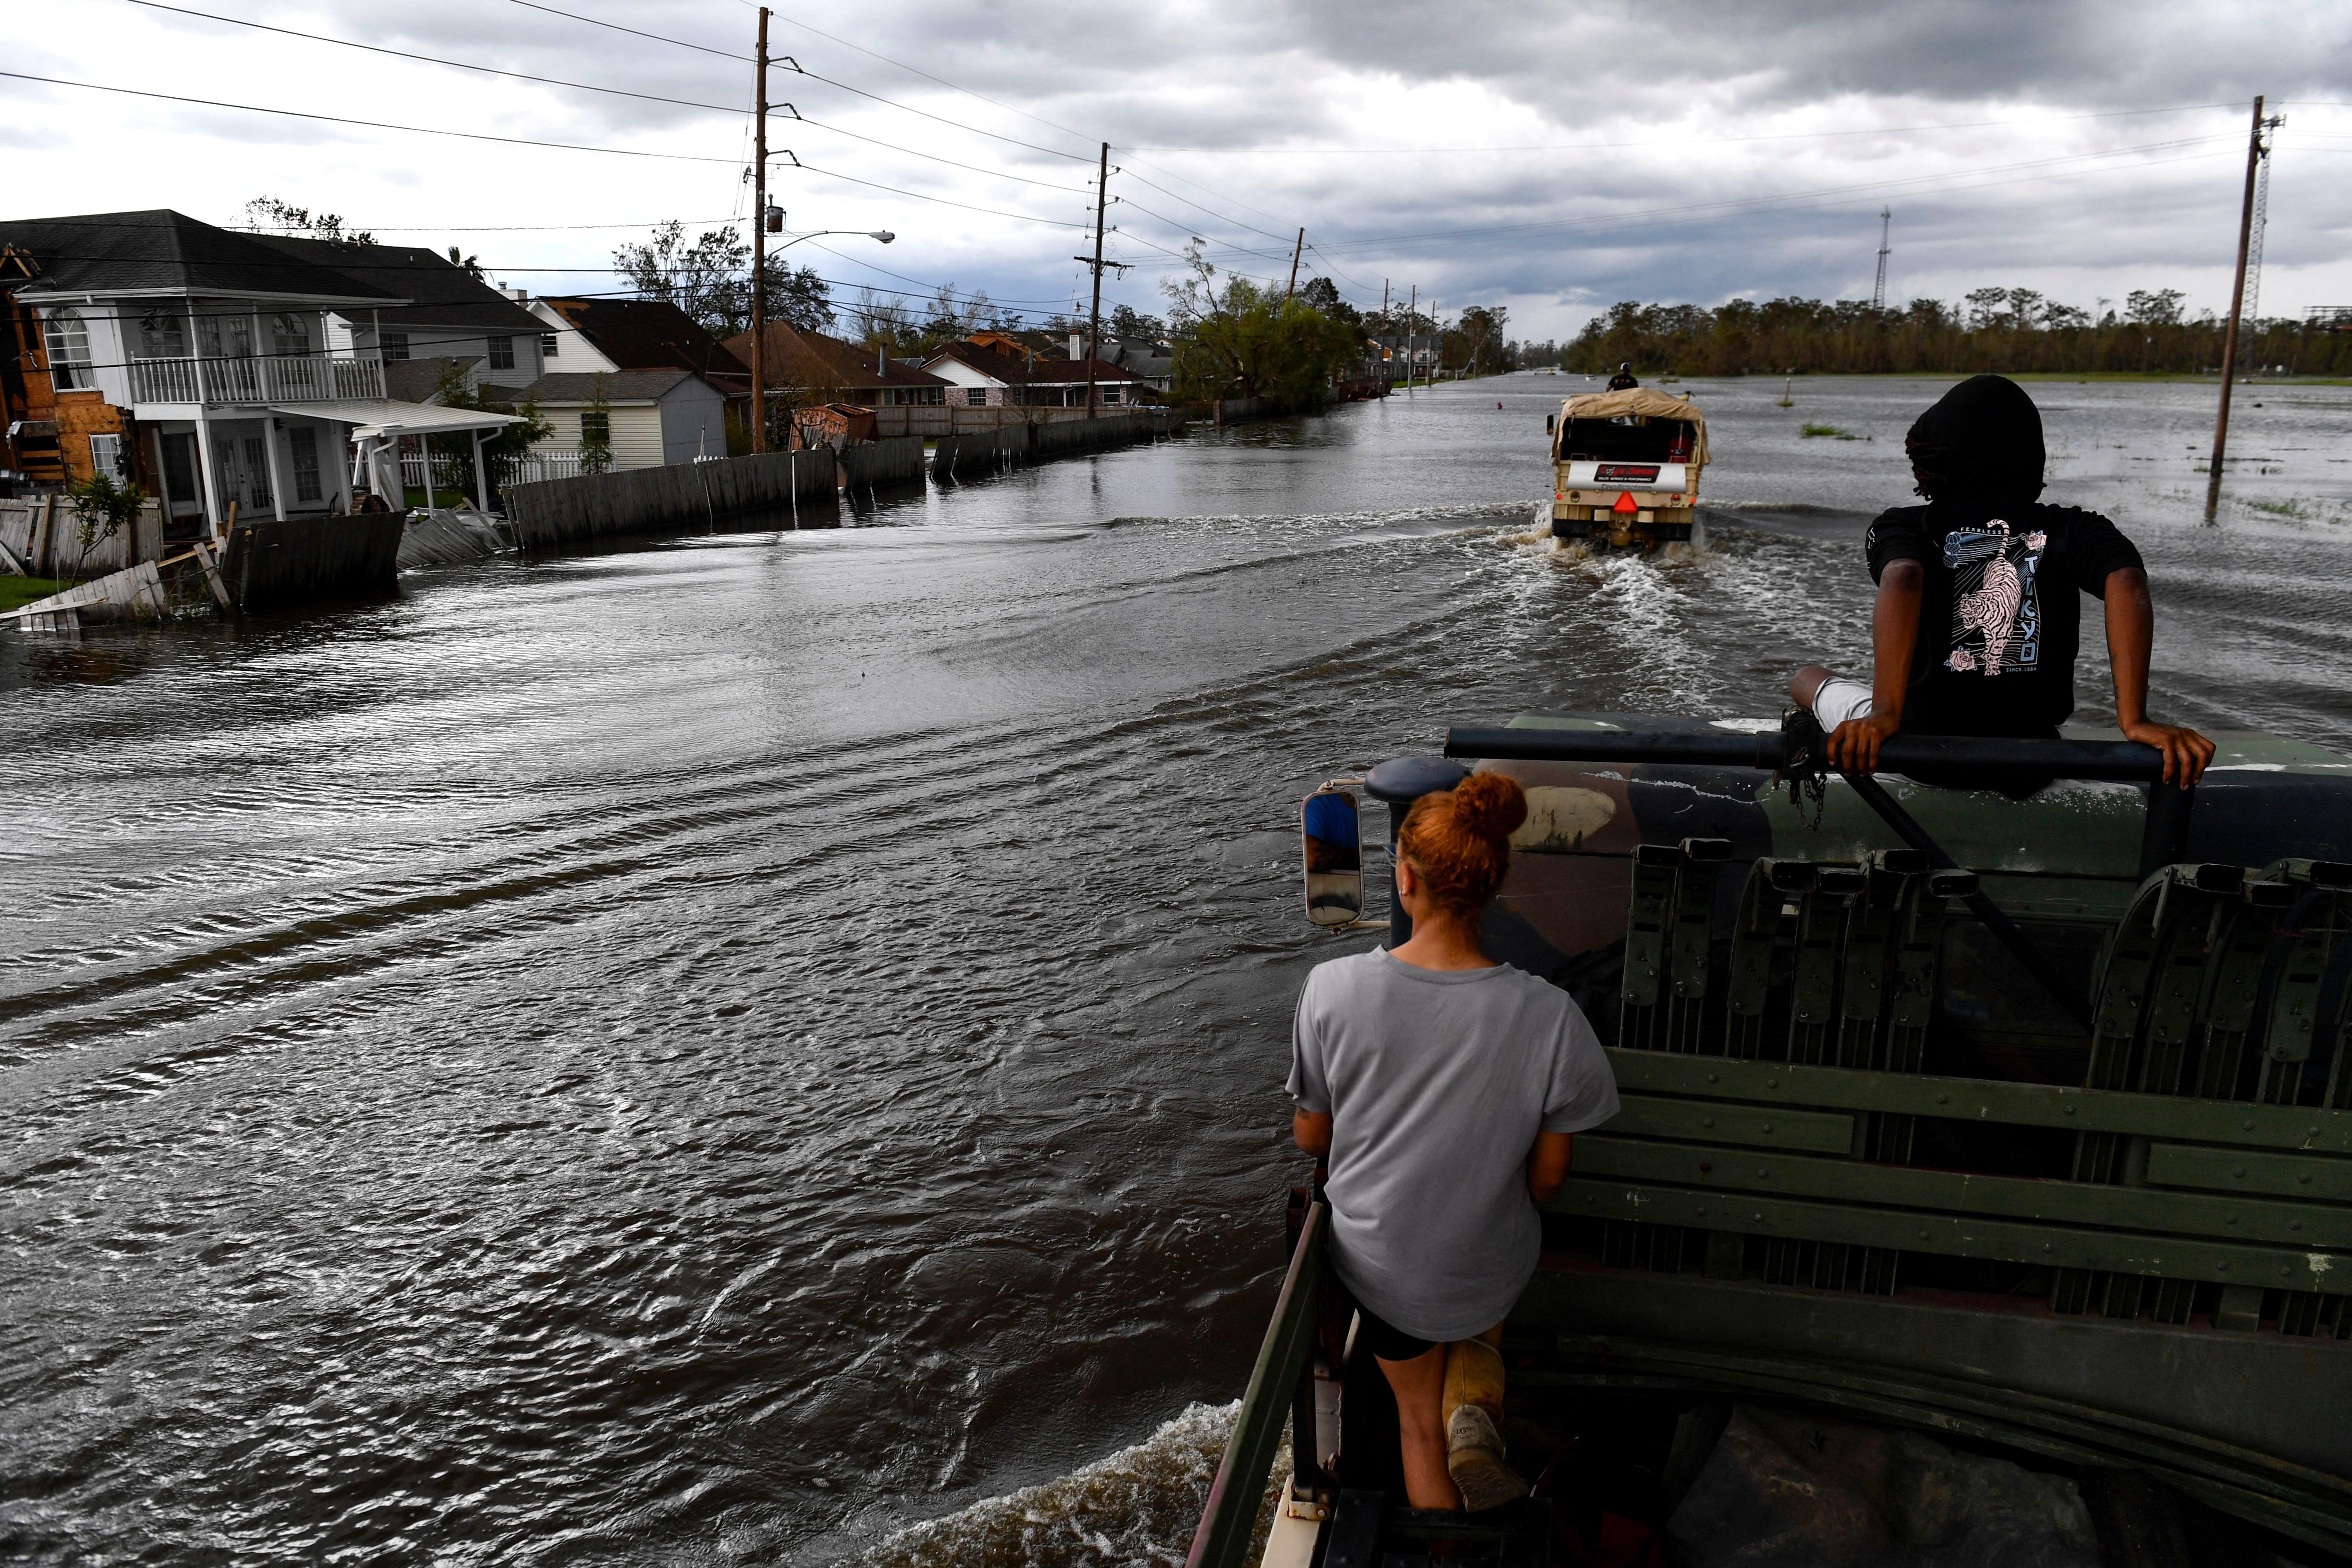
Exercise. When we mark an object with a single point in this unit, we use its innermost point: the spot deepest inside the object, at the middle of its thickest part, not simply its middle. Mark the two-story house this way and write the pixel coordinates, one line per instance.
(201, 363)
(451, 315)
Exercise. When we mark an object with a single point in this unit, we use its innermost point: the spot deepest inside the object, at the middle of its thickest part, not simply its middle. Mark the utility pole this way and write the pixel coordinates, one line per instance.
(1412, 332)
(1878, 294)
(2237, 300)
(1387, 327)
(1093, 319)
(1296, 251)
(760, 248)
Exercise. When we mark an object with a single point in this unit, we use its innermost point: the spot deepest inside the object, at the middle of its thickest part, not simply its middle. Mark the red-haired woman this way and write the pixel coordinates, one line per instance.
(1442, 1087)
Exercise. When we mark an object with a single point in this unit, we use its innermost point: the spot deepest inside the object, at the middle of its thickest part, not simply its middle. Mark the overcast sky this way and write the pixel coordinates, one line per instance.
(1551, 158)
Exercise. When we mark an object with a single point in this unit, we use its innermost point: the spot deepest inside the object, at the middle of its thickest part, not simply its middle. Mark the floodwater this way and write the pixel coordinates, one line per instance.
(729, 1050)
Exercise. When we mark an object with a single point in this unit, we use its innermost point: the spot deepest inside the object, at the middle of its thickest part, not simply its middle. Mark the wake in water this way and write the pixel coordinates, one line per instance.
(1137, 1506)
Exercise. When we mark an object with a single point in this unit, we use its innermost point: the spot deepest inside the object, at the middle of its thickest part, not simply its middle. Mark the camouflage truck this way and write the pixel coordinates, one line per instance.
(2024, 1122)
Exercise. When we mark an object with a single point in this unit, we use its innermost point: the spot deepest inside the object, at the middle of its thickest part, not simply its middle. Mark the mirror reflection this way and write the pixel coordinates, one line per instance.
(1335, 857)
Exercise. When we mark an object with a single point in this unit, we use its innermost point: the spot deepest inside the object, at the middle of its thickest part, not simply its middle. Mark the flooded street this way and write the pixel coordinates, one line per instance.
(722, 1050)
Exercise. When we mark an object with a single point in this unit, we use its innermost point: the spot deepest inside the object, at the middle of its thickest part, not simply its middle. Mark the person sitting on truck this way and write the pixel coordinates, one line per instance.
(1442, 1089)
(1978, 616)
(1624, 376)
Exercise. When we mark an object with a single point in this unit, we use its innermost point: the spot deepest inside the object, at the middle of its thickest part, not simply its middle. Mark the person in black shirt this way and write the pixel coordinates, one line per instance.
(1624, 376)
(1978, 607)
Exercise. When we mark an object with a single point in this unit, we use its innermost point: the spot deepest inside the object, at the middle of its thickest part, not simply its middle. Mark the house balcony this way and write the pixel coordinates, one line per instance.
(263, 380)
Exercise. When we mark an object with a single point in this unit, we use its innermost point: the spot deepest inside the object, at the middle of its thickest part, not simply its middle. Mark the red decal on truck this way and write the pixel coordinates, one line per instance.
(1626, 473)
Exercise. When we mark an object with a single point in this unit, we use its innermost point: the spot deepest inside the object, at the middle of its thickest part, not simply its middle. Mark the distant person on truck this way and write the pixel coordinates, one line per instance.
(1624, 376)
(1979, 610)
(1442, 1089)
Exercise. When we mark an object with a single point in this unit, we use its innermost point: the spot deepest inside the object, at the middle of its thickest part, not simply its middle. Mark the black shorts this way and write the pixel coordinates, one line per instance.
(1385, 1340)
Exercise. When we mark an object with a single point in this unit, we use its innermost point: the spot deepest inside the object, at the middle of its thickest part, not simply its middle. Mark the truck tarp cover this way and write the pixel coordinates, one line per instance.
(1643, 400)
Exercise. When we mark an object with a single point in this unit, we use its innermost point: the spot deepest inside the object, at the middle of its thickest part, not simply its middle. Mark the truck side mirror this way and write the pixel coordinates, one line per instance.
(1332, 832)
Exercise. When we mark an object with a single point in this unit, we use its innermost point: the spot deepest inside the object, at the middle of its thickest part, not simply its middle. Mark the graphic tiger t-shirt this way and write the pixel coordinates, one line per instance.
(2000, 619)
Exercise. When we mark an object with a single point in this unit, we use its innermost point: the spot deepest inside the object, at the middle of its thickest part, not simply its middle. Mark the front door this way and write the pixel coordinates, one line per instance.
(244, 473)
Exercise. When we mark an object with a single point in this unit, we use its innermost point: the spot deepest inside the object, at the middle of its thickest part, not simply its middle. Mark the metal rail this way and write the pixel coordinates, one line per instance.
(2126, 761)
(2164, 841)
(1223, 1539)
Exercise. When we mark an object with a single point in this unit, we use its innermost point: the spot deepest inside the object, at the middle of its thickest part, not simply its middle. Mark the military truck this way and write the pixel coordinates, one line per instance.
(2023, 1121)
(1625, 467)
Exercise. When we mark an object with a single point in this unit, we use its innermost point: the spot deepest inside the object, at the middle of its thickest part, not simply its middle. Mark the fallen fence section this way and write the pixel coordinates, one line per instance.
(271, 564)
(451, 538)
(554, 513)
(892, 460)
(135, 594)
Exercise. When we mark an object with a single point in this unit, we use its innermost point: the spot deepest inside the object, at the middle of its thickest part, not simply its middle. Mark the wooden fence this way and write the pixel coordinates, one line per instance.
(893, 460)
(272, 565)
(557, 512)
(43, 540)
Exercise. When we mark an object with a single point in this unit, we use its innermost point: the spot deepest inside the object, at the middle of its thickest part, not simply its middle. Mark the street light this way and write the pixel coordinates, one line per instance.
(773, 223)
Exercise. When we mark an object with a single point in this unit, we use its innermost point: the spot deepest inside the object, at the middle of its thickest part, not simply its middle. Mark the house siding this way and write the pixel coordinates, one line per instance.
(636, 434)
(694, 422)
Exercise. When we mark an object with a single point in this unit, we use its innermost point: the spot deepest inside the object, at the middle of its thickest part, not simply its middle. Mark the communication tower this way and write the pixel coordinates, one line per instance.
(1878, 293)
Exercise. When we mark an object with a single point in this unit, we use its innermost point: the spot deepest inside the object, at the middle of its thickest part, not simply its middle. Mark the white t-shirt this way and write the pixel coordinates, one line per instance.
(1436, 1083)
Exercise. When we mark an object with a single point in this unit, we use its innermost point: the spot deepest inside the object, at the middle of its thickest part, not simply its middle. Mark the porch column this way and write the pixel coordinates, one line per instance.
(208, 476)
(343, 471)
(481, 477)
(276, 473)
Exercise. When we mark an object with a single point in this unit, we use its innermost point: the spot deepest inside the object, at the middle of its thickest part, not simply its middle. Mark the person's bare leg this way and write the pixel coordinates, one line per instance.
(1419, 1386)
(1806, 684)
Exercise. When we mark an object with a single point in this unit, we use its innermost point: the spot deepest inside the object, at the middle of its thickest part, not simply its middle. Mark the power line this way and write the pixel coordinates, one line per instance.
(591, 87)
(1684, 141)
(438, 60)
(532, 142)
(796, 66)
(369, 124)
(942, 82)
(657, 38)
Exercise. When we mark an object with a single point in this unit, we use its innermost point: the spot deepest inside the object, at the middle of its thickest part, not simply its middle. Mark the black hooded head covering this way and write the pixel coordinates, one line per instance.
(1981, 442)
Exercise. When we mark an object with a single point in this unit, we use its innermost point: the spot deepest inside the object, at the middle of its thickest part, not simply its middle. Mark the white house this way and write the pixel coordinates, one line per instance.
(449, 314)
(650, 417)
(200, 362)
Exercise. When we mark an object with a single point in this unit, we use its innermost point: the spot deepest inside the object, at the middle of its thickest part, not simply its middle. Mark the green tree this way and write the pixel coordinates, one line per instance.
(596, 429)
(104, 506)
(1240, 338)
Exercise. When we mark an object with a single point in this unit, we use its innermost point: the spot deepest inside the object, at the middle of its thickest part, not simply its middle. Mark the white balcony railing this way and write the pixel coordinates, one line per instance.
(271, 378)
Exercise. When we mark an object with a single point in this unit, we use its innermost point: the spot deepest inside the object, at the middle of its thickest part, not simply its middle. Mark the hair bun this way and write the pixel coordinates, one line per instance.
(1490, 804)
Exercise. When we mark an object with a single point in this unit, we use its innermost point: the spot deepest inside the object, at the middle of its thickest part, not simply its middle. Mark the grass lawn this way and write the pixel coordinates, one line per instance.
(16, 592)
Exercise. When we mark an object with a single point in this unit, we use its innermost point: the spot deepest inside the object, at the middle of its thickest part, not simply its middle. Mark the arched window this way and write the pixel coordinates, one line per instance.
(68, 341)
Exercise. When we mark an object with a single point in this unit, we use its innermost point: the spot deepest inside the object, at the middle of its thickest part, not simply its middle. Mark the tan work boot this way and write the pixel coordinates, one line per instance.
(1473, 1413)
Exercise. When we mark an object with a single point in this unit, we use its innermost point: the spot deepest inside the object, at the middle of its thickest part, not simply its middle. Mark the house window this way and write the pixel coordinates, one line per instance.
(595, 427)
(106, 457)
(163, 334)
(69, 350)
(290, 333)
(304, 441)
(224, 336)
(546, 345)
(256, 472)
(395, 345)
(502, 353)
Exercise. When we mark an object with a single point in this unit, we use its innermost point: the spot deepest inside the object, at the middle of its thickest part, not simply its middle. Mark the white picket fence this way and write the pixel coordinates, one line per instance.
(455, 470)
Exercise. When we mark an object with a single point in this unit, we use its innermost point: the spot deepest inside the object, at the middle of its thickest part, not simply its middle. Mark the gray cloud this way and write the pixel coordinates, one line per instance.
(1720, 105)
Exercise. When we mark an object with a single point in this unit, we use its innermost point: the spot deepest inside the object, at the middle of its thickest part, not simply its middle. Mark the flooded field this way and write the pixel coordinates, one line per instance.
(738, 1048)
